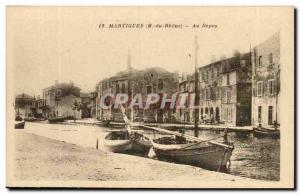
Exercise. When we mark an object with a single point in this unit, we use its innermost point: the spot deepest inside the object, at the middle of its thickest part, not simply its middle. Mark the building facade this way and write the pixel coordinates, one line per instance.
(38, 107)
(132, 82)
(62, 100)
(225, 91)
(186, 87)
(88, 104)
(266, 82)
(24, 105)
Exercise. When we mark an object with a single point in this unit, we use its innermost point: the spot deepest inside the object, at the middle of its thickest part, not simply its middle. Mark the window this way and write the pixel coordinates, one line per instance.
(154, 89)
(117, 88)
(218, 71)
(105, 86)
(228, 95)
(270, 115)
(149, 89)
(211, 111)
(200, 95)
(271, 87)
(58, 93)
(212, 73)
(259, 88)
(259, 113)
(260, 61)
(123, 88)
(207, 94)
(271, 58)
(160, 84)
(184, 87)
(228, 80)
(203, 78)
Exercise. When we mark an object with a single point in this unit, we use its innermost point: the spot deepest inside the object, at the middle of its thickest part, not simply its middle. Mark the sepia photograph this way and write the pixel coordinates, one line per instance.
(150, 97)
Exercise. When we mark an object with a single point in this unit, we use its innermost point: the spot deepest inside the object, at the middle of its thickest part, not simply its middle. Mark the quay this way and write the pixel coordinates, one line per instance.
(69, 162)
(170, 126)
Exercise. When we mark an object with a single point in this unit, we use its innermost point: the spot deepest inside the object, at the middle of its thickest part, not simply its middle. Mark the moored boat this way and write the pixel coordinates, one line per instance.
(19, 124)
(261, 132)
(56, 119)
(117, 141)
(140, 143)
(116, 125)
(30, 119)
(191, 150)
(205, 155)
(109, 124)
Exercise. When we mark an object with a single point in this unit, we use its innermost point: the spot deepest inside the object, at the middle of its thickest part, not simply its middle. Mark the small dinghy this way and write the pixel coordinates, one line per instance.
(262, 132)
(117, 141)
(56, 119)
(30, 119)
(19, 124)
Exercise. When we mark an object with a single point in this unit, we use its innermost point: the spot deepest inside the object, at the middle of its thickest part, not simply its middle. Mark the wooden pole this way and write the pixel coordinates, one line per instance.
(196, 119)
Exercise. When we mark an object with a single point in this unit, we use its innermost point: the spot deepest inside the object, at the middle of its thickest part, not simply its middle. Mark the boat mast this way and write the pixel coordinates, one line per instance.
(130, 89)
(196, 107)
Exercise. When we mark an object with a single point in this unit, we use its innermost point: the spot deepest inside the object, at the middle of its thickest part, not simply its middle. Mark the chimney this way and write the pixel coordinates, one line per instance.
(56, 82)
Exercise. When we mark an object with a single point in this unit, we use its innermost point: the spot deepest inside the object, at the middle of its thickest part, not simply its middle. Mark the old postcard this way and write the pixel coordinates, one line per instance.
(150, 97)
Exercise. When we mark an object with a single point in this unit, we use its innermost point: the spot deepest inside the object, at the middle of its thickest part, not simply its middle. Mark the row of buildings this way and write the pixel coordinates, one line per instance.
(241, 90)
(131, 82)
(58, 100)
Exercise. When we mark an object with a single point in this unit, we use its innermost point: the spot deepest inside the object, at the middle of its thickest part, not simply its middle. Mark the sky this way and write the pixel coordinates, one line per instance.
(45, 44)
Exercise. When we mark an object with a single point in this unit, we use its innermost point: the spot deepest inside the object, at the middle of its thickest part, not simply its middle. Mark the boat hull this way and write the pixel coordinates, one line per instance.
(210, 157)
(117, 141)
(56, 120)
(141, 146)
(264, 132)
(30, 119)
(20, 125)
(120, 146)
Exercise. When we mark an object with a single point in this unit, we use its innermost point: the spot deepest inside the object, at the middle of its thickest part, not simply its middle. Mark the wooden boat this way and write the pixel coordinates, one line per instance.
(56, 119)
(261, 132)
(19, 124)
(116, 125)
(117, 141)
(192, 150)
(128, 140)
(30, 119)
(140, 143)
(110, 124)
